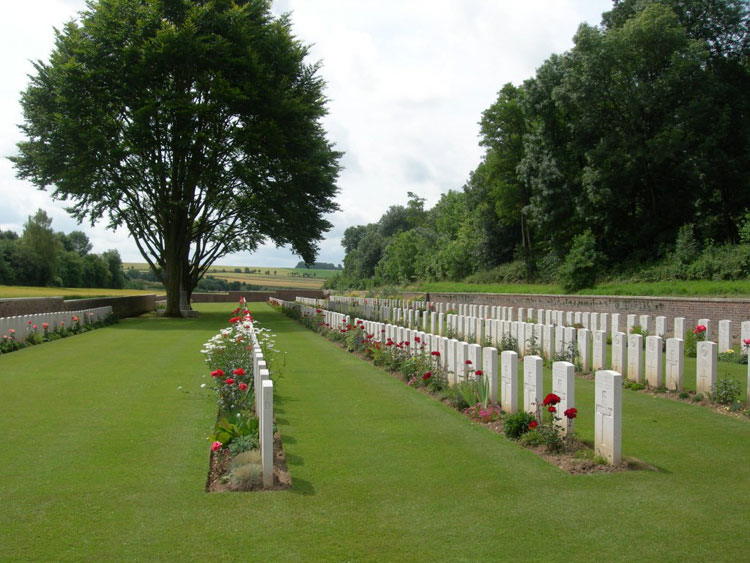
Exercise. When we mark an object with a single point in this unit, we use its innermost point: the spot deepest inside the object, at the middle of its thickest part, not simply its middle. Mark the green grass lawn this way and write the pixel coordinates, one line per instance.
(103, 458)
(675, 288)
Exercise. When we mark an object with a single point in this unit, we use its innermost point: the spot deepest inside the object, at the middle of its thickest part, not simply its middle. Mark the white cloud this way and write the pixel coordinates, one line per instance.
(407, 82)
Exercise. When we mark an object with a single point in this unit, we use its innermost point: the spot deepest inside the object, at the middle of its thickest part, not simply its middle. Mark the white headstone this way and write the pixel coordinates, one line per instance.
(705, 379)
(599, 350)
(635, 357)
(631, 322)
(462, 355)
(509, 381)
(654, 370)
(475, 357)
(661, 326)
(707, 324)
(548, 341)
(644, 323)
(679, 328)
(619, 352)
(584, 352)
(604, 322)
(608, 416)
(675, 363)
(563, 385)
(489, 369)
(532, 383)
(745, 336)
(615, 324)
(266, 434)
(725, 336)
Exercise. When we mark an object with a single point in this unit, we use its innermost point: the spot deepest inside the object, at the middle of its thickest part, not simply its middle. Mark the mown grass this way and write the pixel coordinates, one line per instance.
(9, 291)
(104, 458)
(676, 288)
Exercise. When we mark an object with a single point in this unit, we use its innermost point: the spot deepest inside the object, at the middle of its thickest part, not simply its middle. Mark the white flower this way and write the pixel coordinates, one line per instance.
(180, 387)
(203, 385)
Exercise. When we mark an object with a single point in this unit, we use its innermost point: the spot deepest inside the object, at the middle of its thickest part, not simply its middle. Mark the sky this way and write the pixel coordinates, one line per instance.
(407, 82)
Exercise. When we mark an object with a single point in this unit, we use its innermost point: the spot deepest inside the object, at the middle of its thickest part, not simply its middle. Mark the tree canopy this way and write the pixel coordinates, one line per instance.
(195, 124)
(598, 162)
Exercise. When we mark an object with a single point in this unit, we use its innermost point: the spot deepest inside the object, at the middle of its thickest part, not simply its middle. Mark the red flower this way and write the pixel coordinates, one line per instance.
(746, 342)
(239, 371)
(479, 372)
(699, 328)
(551, 399)
(427, 375)
(216, 446)
(571, 412)
(217, 373)
(406, 342)
(242, 386)
(229, 381)
(468, 362)
(552, 409)
(318, 311)
(417, 340)
(533, 424)
(435, 353)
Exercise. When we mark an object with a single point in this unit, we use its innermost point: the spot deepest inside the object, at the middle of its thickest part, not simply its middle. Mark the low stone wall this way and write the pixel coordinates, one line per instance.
(30, 306)
(257, 296)
(735, 310)
(122, 307)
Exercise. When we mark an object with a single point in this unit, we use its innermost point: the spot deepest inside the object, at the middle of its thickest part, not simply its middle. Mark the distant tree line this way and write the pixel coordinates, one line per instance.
(318, 266)
(627, 155)
(42, 257)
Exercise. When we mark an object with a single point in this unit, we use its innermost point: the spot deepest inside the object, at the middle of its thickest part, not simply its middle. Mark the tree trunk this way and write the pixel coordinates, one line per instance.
(173, 285)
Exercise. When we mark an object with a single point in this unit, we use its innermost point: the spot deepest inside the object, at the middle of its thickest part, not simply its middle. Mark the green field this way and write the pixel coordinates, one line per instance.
(263, 277)
(8, 291)
(105, 458)
(676, 288)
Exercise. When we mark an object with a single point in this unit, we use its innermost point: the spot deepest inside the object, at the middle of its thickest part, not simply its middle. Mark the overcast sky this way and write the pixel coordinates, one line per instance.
(407, 82)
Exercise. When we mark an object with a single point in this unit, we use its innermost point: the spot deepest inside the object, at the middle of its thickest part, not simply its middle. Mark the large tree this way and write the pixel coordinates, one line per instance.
(194, 123)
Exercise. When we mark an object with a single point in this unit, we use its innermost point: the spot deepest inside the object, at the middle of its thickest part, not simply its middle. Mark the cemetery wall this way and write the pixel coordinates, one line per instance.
(257, 296)
(736, 310)
(30, 306)
(122, 307)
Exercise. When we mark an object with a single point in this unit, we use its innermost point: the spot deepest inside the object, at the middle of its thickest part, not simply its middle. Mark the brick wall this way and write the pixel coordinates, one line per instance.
(736, 310)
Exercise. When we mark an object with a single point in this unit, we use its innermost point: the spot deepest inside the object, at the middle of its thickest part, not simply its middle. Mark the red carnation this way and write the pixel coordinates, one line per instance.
(217, 373)
(552, 409)
(551, 399)
(242, 386)
(435, 353)
(571, 412)
(229, 381)
(479, 372)
(239, 371)
(468, 362)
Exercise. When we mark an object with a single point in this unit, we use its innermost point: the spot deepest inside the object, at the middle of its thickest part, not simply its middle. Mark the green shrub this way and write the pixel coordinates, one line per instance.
(726, 391)
(455, 398)
(516, 425)
(579, 269)
(243, 444)
(633, 385)
(510, 272)
(531, 438)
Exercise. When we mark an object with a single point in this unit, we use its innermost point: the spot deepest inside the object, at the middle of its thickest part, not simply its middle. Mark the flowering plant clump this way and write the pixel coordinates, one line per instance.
(489, 413)
(229, 358)
(700, 332)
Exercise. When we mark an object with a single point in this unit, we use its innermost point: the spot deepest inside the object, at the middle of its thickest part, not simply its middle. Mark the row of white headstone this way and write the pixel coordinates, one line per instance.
(263, 387)
(22, 324)
(408, 313)
(590, 345)
(462, 360)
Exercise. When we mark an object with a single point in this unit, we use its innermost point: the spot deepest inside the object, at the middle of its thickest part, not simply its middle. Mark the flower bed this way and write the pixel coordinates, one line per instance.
(235, 462)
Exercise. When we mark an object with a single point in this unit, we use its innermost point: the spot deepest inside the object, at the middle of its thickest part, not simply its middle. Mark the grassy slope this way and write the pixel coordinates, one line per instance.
(67, 292)
(666, 289)
(104, 458)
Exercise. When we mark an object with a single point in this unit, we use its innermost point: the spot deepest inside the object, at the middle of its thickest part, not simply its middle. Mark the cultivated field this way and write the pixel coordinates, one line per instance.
(9, 291)
(262, 277)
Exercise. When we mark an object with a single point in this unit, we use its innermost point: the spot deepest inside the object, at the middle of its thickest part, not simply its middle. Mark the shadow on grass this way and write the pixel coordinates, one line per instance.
(302, 487)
